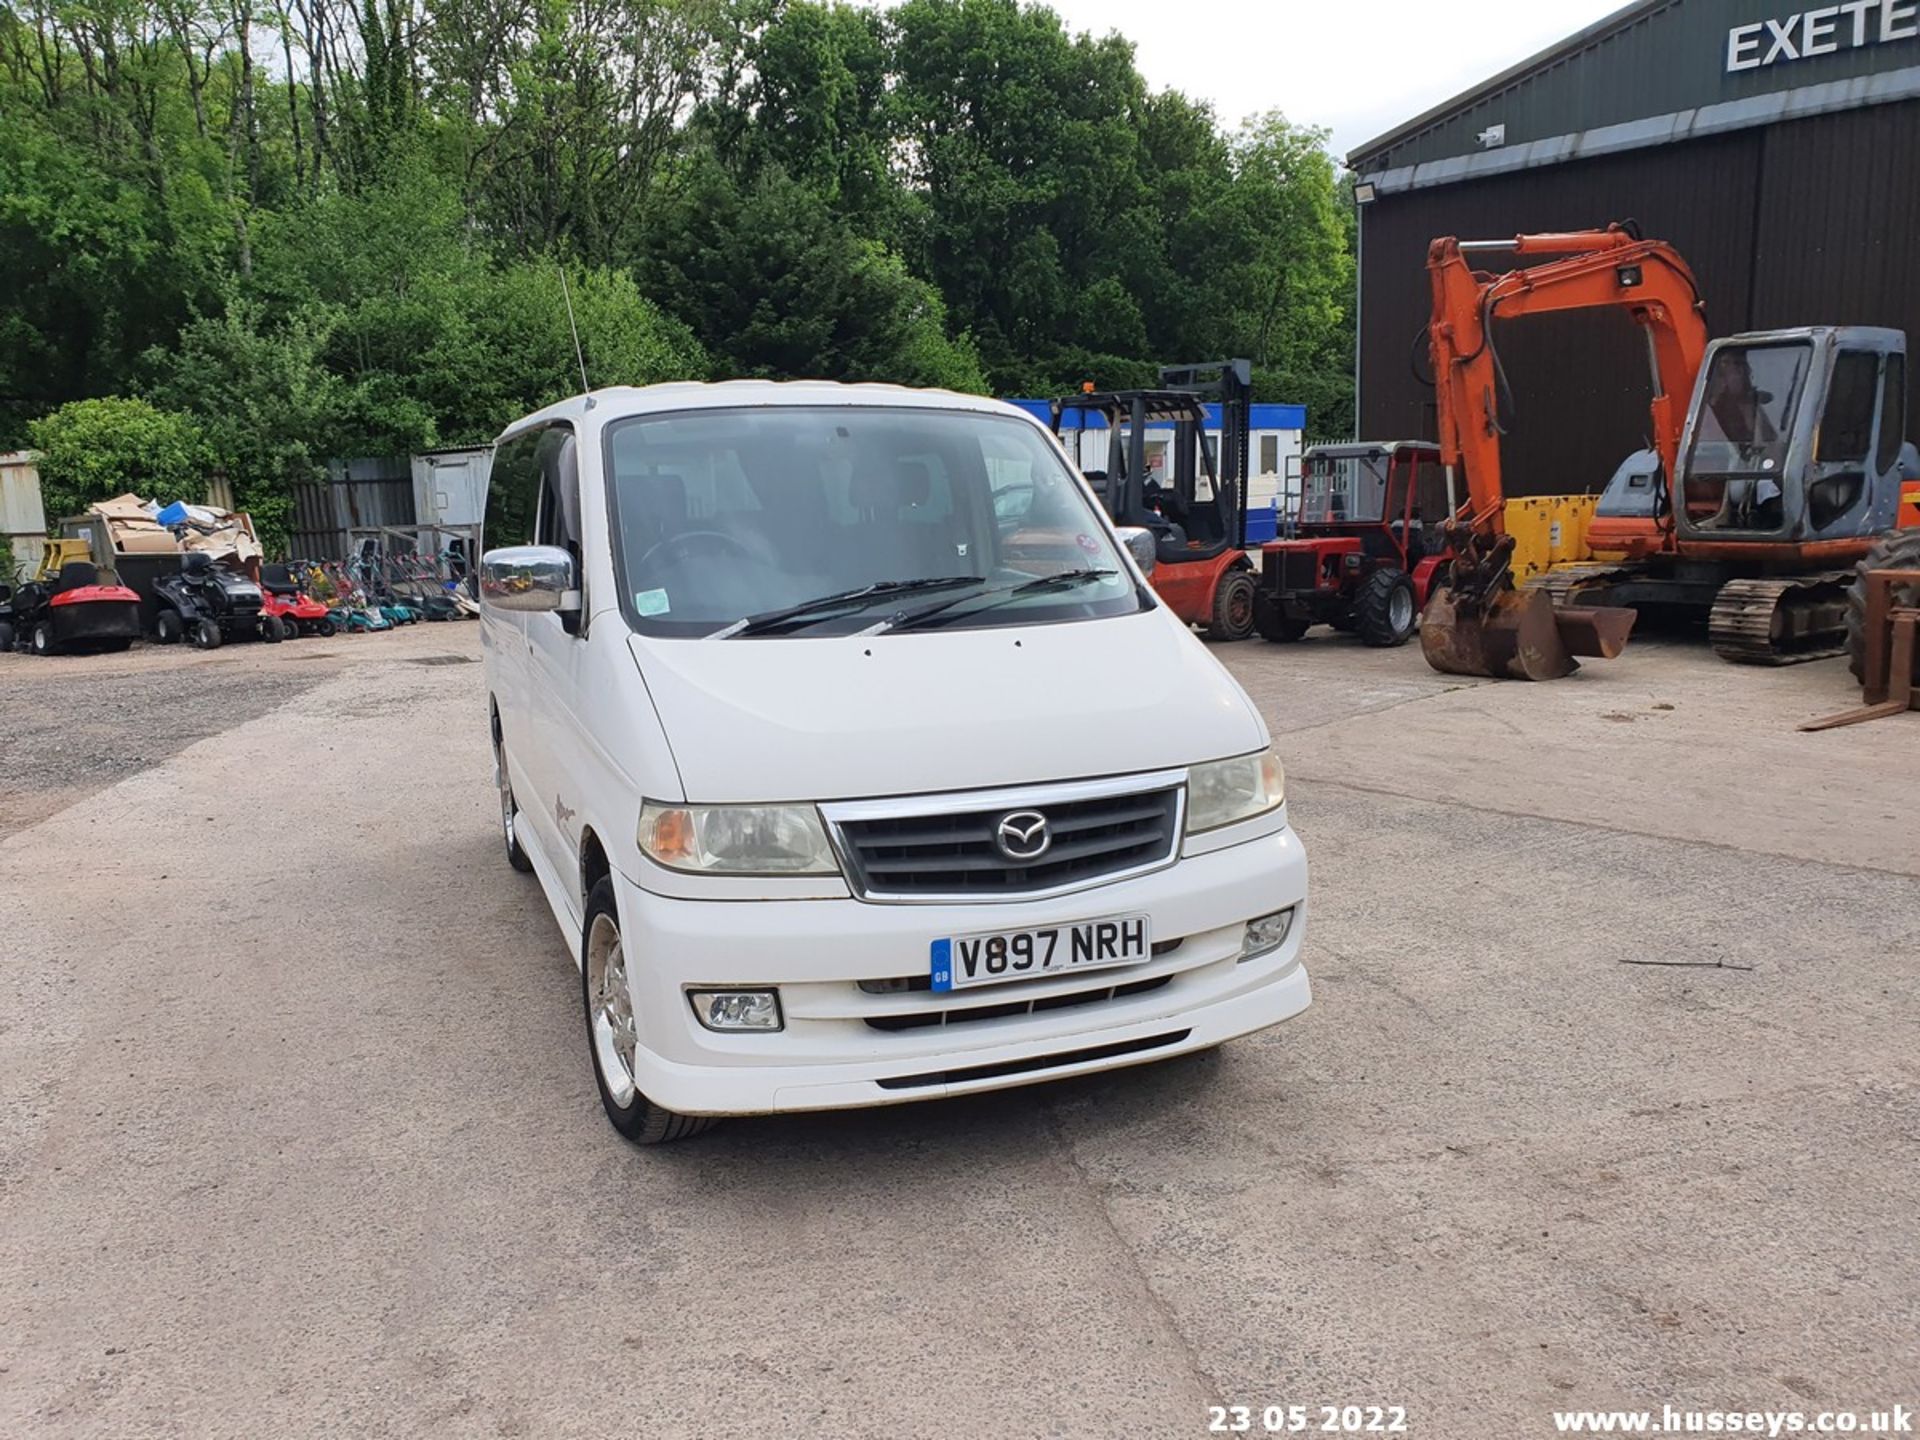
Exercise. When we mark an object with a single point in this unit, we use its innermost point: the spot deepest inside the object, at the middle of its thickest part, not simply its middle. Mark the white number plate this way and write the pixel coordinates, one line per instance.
(996, 955)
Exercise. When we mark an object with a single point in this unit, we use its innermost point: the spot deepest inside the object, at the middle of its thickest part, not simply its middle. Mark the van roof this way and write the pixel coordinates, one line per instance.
(617, 402)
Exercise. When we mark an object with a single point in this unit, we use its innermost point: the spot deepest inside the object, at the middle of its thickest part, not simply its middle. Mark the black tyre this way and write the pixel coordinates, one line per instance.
(509, 815)
(206, 635)
(1270, 618)
(269, 629)
(607, 1003)
(1233, 606)
(1383, 611)
(325, 627)
(168, 628)
(41, 640)
(1895, 550)
(6, 637)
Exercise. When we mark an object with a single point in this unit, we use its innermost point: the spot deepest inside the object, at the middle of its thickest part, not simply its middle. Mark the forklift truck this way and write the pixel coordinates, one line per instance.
(1200, 539)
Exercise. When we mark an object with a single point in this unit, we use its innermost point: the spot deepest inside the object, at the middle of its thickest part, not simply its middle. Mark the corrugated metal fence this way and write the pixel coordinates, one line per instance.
(369, 491)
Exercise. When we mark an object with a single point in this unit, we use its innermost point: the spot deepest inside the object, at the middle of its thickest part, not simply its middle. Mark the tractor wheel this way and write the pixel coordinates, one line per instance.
(1895, 550)
(1383, 611)
(6, 637)
(168, 628)
(42, 639)
(1272, 621)
(324, 627)
(268, 629)
(207, 636)
(1233, 606)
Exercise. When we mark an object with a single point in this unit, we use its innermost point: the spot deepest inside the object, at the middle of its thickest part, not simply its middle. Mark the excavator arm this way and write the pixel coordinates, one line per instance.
(1610, 268)
(1477, 622)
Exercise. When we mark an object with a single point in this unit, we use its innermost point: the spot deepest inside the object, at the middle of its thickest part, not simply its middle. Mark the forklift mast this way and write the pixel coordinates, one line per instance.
(1230, 384)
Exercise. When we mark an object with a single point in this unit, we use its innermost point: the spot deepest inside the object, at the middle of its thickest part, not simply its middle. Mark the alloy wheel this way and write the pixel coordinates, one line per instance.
(610, 1009)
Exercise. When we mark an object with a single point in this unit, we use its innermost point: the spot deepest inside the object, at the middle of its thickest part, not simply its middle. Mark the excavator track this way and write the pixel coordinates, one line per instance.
(1781, 621)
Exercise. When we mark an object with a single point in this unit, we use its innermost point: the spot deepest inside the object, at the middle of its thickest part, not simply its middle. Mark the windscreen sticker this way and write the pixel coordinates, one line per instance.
(650, 602)
(1088, 544)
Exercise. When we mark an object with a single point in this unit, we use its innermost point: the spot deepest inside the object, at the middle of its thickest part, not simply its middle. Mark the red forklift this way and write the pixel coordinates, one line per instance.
(1194, 500)
(1366, 544)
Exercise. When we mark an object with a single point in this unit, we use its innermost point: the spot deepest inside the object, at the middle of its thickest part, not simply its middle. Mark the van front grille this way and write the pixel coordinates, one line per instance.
(953, 853)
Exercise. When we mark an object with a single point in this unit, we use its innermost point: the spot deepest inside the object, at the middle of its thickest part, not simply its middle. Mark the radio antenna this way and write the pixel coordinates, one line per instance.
(573, 325)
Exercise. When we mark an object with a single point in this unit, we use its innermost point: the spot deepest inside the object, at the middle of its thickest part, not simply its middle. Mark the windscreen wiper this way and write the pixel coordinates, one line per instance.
(823, 607)
(995, 596)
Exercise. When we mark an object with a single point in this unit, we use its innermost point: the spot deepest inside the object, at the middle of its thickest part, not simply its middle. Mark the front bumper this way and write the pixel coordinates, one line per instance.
(845, 1046)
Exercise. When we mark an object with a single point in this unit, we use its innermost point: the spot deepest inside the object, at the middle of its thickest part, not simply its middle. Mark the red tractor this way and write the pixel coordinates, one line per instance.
(1195, 500)
(1365, 547)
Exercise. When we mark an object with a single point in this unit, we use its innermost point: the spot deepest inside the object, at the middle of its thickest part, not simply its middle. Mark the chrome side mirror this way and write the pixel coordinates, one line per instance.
(1142, 545)
(529, 579)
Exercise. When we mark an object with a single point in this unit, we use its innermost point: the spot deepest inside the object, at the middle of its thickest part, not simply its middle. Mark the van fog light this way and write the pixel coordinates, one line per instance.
(737, 1009)
(1269, 932)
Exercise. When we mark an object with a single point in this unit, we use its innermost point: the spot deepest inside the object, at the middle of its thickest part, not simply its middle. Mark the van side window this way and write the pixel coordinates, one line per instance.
(1893, 414)
(559, 520)
(513, 492)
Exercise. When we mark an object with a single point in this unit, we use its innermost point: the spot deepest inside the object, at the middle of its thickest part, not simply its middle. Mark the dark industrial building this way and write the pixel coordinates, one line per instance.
(1775, 143)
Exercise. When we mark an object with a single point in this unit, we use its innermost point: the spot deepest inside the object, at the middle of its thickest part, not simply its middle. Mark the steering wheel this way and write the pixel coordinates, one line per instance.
(686, 538)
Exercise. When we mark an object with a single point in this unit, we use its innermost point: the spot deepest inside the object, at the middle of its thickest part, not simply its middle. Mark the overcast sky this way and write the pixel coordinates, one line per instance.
(1359, 67)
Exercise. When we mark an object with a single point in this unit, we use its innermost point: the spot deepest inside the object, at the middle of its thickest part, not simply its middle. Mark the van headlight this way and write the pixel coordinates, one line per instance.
(737, 839)
(1224, 791)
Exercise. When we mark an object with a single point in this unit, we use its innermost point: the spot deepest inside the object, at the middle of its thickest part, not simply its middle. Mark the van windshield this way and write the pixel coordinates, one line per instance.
(722, 516)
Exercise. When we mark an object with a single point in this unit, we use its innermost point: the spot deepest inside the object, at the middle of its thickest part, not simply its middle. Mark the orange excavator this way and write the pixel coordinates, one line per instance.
(1777, 461)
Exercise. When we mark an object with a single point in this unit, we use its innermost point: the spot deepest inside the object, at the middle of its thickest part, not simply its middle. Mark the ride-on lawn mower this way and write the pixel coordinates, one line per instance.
(1199, 529)
(208, 603)
(1367, 547)
(65, 607)
(297, 612)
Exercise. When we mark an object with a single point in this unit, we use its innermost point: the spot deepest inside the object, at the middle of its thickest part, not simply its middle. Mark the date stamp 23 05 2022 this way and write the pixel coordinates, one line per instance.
(1307, 1419)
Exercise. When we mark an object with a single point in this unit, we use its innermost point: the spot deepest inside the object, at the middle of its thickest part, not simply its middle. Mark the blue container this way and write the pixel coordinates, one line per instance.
(1263, 524)
(174, 514)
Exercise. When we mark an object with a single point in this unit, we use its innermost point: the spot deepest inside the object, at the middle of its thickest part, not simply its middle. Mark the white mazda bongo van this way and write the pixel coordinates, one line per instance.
(859, 763)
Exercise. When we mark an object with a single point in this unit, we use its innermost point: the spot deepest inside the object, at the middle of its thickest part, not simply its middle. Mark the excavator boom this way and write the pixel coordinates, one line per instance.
(1479, 624)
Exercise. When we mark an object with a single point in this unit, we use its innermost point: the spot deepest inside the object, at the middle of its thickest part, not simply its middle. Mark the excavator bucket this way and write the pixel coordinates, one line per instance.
(1517, 635)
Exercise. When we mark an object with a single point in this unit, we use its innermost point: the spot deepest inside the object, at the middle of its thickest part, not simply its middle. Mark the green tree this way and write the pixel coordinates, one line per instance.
(95, 449)
(502, 346)
(779, 286)
(1022, 140)
(268, 408)
(333, 226)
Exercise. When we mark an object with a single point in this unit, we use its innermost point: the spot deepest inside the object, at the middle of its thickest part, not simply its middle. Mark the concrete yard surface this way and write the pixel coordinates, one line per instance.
(298, 1133)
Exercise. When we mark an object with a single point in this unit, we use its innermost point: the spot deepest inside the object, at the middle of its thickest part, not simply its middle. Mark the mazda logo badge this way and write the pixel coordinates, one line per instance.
(1023, 835)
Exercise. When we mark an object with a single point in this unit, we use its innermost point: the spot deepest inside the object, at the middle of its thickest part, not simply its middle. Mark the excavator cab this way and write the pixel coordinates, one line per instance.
(1795, 437)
